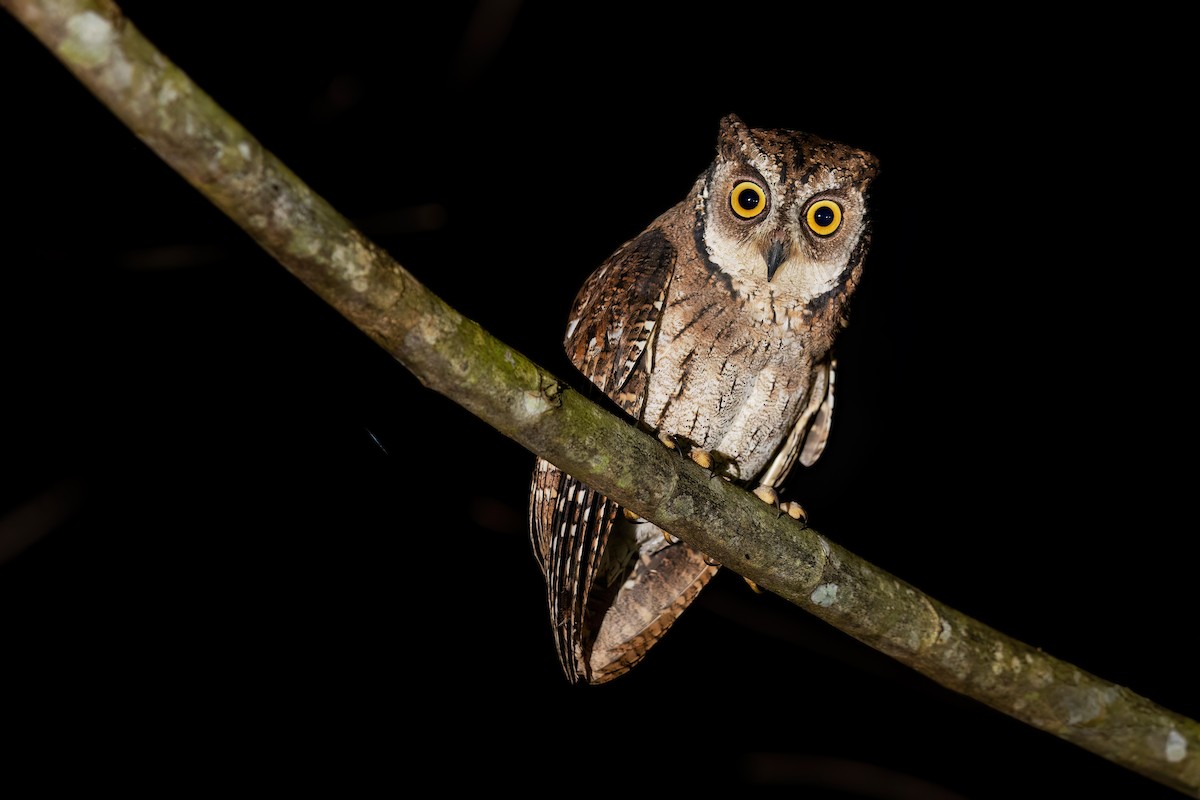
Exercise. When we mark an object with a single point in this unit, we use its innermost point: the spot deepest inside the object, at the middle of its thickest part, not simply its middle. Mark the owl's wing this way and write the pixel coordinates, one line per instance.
(614, 585)
(615, 315)
(808, 436)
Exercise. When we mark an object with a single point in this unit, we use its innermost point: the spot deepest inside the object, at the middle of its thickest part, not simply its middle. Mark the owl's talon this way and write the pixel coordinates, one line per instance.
(668, 440)
(767, 495)
(752, 585)
(701, 457)
(631, 516)
(795, 511)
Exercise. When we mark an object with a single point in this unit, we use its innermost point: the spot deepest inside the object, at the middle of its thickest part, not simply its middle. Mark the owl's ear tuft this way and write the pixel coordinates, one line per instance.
(730, 125)
(734, 138)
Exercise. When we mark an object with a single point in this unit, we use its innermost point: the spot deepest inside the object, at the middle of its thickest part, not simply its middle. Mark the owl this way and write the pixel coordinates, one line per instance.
(714, 329)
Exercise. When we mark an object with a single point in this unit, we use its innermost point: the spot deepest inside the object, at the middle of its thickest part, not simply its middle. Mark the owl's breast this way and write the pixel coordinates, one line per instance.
(729, 379)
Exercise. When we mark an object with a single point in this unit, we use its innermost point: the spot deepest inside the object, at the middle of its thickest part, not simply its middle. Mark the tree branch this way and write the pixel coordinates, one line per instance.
(457, 358)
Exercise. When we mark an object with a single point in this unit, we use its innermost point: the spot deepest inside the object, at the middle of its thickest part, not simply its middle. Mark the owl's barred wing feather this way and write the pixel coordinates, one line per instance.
(582, 519)
(616, 312)
(570, 524)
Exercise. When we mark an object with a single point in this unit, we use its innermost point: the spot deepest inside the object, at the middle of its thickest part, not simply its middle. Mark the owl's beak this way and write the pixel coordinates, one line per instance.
(777, 252)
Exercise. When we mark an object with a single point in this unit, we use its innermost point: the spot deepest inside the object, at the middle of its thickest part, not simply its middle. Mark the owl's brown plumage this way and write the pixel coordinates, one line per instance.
(713, 327)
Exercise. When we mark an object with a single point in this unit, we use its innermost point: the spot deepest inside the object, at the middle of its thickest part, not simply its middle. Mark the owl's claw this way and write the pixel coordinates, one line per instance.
(768, 495)
(795, 511)
(702, 457)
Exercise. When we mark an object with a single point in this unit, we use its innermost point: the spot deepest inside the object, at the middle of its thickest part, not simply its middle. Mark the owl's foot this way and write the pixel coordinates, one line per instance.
(681, 445)
(790, 507)
(795, 511)
(767, 494)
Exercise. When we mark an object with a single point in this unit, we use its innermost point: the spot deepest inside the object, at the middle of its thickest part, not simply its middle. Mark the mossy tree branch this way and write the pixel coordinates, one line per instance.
(459, 359)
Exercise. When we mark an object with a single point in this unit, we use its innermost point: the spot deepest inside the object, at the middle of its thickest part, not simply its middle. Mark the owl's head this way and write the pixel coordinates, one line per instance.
(785, 212)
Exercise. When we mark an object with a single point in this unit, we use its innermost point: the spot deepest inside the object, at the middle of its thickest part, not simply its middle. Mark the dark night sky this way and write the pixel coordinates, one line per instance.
(234, 563)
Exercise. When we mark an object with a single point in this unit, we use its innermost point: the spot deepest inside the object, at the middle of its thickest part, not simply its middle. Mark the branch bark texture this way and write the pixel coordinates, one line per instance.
(459, 359)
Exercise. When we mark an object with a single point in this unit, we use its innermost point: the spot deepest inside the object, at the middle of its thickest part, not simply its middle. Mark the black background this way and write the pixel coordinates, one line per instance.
(271, 549)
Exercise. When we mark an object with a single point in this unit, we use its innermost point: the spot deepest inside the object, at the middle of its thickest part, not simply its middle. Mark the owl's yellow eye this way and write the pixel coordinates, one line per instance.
(824, 217)
(748, 200)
